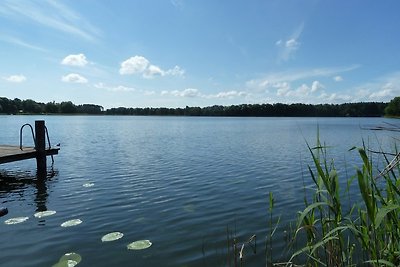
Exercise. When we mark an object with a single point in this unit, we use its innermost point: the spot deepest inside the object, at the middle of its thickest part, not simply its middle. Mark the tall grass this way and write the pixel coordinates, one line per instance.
(338, 226)
(367, 233)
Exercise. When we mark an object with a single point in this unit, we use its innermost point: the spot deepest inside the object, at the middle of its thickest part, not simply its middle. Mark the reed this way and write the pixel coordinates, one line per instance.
(366, 233)
(338, 227)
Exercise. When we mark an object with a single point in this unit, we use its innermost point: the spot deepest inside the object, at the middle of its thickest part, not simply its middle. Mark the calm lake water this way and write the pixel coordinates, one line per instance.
(179, 182)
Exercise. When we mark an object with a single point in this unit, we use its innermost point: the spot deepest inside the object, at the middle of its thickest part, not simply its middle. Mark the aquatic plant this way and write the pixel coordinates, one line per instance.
(69, 260)
(367, 233)
(138, 245)
(72, 222)
(16, 220)
(46, 213)
(112, 236)
(272, 230)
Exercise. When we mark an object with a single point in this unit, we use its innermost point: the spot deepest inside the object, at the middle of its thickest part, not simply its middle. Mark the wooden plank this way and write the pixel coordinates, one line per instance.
(14, 153)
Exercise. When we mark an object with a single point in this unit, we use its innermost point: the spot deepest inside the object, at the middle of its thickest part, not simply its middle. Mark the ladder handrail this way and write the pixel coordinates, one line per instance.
(34, 138)
(48, 141)
(47, 135)
(20, 135)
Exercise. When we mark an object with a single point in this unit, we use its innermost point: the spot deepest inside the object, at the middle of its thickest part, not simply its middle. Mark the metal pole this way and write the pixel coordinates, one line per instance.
(40, 147)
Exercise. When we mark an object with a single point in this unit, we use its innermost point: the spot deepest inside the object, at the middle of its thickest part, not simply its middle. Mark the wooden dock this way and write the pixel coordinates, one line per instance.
(9, 153)
(14, 153)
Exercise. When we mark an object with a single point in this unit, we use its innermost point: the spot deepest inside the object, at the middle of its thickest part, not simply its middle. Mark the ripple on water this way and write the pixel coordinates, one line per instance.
(177, 182)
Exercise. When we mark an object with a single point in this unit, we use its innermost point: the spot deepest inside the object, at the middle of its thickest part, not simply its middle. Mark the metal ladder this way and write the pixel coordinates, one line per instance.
(34, 138)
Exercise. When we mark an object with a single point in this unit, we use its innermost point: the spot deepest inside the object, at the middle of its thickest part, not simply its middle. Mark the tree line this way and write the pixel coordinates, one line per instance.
(368, 109)
(29, 106)
(360, 109)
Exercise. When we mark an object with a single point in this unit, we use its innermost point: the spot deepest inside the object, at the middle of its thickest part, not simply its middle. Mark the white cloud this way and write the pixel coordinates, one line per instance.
(75, 60)
(316, 86)
(189, 92)
(119, 88)
(271, 79)
(74, 78)
(133, 65)
(290, 46)
(175, 71)
(385, 91)
(305, 87)
(153, 71)
(338, 78)
(192, 92)
(384, 88)
(228, 94)
(15, 78)
(303, 90)
(335, 98)
(141, 65)
(282, 88)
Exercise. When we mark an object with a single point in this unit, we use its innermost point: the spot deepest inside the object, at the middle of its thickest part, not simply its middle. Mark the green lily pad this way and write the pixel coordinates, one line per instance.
(71, 223)
(88, 185)
(16, 220)
(112, 236)
(140, 244)
(68, 260)
(46, 213)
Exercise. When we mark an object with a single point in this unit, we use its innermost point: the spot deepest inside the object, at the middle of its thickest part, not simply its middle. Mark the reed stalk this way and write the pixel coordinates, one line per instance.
(370, 227)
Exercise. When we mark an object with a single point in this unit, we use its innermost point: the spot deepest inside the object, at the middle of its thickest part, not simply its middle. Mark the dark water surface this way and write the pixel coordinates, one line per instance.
(179, 182)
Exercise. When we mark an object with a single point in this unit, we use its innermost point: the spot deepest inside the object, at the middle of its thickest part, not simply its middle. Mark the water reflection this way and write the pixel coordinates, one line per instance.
(16, 183)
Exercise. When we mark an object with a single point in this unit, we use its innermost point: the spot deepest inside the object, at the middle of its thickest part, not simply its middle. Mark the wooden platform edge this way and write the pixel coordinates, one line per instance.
(25, 153)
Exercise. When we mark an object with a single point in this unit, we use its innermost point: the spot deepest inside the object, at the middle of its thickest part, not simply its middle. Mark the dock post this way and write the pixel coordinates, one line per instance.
(40, 147)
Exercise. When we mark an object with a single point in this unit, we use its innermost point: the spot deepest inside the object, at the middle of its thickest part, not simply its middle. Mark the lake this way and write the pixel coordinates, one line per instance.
(180, 182)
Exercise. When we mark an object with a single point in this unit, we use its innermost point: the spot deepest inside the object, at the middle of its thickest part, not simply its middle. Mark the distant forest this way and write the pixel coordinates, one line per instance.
(362, 109)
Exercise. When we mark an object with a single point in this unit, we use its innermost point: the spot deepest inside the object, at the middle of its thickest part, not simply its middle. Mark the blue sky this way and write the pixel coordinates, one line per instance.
(177, 53)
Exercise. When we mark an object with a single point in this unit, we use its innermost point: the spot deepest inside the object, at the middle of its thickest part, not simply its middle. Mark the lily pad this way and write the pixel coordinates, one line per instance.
(88, 185)
(46, 213)
(16, 220)
(112, 236)
(69, 260)
(71, 223)
(140, 244)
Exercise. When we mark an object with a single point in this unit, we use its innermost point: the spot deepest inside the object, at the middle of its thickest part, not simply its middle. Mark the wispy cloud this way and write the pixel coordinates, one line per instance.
(228, 94)
(119, 88)
(381, 89)
(305, 87)
(19, 78)
(189, 92)
(303, 91)
(19, 42)
(51, 14)
(288, 47)
(338, 78)
(141, 65)
(271, 79)
(193, 92)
